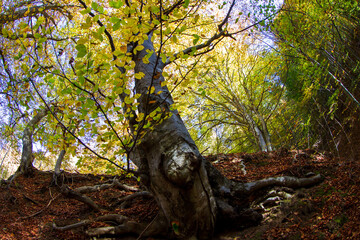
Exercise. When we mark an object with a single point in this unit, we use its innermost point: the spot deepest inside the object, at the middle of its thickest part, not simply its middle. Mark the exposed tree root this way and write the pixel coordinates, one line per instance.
(124, 186)
(157, 227)
(122, 226)
(89, 189)
(78, 196)
(115, 183)
(126, 201)
(72, 226)
(230, 213)
(232, 197)
(291, 182)
(115, 218)
(118, 219)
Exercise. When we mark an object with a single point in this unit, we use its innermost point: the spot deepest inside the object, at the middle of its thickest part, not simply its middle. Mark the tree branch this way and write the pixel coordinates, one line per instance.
(27, 12)
(72, 134)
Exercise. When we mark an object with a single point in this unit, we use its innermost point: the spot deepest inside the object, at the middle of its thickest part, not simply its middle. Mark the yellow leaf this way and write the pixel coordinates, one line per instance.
(152, 90)
(140, 117)
(139, 47)
(139, 75)
(123, 49)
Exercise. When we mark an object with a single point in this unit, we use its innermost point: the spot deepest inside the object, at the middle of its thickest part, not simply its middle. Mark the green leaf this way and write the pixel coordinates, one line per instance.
(127, 91)
(186, 3)
(96, 18)
(117, 26)
(86, 11)
(101, 29)
(94, 5)
(139, 75)
(66, 91)
(81, 80)
(114, 19)
(128, 100)
(116, 4)
(196, 38)
(42, 40)
(81, 41)
(82, 51)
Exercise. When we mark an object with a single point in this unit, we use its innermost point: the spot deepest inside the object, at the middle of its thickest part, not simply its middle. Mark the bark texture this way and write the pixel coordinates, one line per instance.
(59, 162)
(172, 165)
(27, 157)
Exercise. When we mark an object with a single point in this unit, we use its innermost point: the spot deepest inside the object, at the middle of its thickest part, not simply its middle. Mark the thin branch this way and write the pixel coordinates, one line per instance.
(31, 36)
(173, 7)
(69, 131)
(111, 41)
(227, 17)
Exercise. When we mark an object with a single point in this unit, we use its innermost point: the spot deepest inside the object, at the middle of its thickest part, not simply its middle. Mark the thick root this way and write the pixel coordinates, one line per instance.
(291, 182)
(126, 201)
(115, 183)
(121, 226)
(78, 196)
(119, 219)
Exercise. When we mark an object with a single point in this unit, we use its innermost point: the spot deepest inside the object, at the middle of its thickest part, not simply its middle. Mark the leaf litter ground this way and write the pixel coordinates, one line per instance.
(330, 210)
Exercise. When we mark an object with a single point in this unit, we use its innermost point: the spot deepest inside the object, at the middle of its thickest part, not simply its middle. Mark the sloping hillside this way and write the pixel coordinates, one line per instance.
(31, 207)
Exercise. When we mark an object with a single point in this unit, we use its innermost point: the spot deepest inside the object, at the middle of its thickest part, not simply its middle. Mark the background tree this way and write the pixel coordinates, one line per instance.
(240, 92)
(319, 40)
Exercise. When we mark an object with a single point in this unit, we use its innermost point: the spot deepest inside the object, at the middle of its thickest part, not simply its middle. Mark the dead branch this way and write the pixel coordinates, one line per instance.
(38, 212)
(30, 199)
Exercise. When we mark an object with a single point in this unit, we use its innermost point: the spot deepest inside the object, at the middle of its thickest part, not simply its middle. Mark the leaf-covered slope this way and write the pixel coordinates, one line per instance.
(329, 210)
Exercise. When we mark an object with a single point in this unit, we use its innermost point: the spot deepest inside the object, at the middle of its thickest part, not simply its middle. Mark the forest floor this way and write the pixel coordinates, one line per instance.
(329, 210)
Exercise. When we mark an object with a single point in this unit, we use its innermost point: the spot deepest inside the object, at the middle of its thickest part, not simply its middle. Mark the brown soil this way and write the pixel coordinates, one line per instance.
(329, 210)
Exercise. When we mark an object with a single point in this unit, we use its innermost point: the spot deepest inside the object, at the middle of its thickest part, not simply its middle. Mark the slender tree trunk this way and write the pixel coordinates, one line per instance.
(265, 132)
(61, 156)
(174, 169)
(27, 158)
(257, 133)
(59, 162)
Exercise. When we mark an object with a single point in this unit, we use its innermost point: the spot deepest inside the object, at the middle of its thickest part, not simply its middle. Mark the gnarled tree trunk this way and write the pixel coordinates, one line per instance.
(174, 169)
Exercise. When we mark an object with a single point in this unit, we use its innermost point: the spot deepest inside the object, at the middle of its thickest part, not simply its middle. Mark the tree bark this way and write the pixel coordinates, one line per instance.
(174, 168)
(27, 157)
(59, 162)
(257, 133)
(265, 132)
